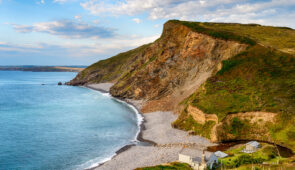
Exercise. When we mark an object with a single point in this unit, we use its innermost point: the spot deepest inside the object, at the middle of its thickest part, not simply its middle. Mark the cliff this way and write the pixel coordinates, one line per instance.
(226, 81)
(174, 66)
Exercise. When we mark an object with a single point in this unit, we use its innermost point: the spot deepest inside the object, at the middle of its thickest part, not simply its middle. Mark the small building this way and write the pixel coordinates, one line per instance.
(212, 161)
(251, 147)
(199, 163)
(220, 154)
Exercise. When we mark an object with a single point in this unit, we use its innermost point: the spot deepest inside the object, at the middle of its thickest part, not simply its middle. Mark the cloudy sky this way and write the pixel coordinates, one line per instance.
(80, 32)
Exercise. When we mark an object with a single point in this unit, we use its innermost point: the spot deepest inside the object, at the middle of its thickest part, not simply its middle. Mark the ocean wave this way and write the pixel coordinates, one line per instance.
(140, 119)
(94, 163)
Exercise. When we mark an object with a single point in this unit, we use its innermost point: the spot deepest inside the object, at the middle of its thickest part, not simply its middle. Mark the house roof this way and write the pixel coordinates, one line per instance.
(220, 154)
(253, 143)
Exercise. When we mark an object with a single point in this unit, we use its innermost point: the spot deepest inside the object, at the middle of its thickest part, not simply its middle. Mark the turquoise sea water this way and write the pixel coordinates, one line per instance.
(58, 127)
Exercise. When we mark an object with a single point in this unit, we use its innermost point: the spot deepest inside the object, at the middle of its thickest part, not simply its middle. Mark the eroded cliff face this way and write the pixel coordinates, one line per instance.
(246, 126)
(173, 67)
(238, 126)
(167, 76)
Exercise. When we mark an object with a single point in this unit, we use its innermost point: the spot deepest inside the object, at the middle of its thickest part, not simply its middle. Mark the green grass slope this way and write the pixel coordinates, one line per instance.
(109, 69)
(280, 38)
(259, 79)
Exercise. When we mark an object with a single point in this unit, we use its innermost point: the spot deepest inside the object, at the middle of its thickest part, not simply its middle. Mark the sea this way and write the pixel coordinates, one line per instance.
(46, 126)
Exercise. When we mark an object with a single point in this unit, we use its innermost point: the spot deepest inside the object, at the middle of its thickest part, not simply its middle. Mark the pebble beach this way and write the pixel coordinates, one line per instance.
(166, 142)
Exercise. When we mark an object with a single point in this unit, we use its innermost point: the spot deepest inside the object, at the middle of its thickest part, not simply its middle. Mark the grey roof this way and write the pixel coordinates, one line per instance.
(220, 154)
(253, 143)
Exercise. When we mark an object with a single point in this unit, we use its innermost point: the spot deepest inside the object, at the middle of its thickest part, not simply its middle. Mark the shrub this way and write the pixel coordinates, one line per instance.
(291, 135)
(237, 126)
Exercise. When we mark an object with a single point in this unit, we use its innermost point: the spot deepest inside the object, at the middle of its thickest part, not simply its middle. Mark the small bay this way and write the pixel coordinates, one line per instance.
(58, 127)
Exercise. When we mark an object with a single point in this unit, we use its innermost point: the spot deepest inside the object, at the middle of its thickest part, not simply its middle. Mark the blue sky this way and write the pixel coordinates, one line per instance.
(81, 32)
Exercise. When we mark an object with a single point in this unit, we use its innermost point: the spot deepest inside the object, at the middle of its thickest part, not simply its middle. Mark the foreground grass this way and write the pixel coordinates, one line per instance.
(171, 166)
(267, 154)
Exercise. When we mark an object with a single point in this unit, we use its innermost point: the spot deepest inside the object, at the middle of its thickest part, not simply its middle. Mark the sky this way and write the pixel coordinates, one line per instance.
(81, 32)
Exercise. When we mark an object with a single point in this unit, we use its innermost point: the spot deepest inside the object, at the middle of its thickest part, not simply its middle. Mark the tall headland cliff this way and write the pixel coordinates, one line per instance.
(226, 81)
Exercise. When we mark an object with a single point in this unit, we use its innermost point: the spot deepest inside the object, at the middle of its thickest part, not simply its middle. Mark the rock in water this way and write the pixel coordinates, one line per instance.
(59, 83)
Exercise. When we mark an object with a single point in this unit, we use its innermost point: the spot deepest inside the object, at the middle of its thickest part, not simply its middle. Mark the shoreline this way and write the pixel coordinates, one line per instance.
(156, 141)
(138, 136)
(104, 88)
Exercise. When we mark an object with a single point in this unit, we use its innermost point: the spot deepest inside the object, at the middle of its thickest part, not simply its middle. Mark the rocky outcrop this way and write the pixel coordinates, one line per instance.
(173, 67)
(199, 116)
(238, 126)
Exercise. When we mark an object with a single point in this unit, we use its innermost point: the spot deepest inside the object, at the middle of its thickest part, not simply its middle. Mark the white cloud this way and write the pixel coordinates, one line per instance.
(95, 21)
(67, 29)
(24, 48)
(114, 46)
(201, 10)
(60, 1)
(74, 49)
(110, 46)
(40, 2)
(137, 20)
(78, 17)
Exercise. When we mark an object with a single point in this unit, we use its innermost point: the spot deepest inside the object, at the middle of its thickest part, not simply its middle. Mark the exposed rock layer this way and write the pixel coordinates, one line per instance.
(173, 67)
(255, 125)
(165, 73)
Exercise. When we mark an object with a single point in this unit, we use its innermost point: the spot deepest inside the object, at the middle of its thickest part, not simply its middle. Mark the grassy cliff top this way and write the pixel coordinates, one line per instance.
(281, 38)
(111, 69)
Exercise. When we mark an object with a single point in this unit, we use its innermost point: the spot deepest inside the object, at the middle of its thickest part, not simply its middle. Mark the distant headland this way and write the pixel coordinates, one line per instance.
(35, 68)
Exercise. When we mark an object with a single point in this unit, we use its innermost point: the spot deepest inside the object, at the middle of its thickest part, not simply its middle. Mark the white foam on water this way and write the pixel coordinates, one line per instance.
(139, 117)
(95, 162)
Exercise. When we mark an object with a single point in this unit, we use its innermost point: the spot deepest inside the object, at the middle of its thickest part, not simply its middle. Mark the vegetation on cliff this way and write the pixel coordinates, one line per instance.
(216, 33)
(242, 68)
(187, 122)
(109, 69)
(280, 38)
(259, 79)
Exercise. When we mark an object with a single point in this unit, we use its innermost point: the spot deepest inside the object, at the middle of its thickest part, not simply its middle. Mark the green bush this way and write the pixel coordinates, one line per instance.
(242, 160)
(237, 126)
(187, 122)
(291, 135)
(172, 166)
